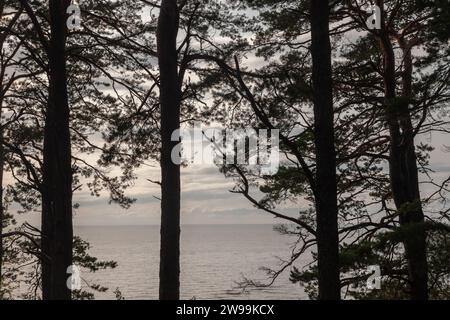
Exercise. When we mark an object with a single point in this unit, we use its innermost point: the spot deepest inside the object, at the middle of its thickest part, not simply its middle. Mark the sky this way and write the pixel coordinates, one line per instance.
(205, 197)
(205, 200)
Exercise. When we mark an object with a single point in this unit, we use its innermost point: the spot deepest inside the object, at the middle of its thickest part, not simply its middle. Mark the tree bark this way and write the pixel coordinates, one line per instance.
(326, 183)
(170, 100)
(57, 230)
(403, 170)
(416, 245)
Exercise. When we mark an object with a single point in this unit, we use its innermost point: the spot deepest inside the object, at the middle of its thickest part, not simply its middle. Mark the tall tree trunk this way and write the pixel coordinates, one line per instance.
(403, 169)
(57, 231)
(326, 189)
(413, 218)
(170, 99)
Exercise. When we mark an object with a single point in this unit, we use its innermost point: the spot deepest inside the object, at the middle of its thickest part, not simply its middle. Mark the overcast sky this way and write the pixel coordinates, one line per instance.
(205, 194)
(205, 198)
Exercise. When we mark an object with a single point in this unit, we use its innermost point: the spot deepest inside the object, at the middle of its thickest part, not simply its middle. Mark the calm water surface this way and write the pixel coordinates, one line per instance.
(213, 258)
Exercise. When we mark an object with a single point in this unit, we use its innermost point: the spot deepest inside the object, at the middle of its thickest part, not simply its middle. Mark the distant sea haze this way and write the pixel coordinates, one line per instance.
(213, 259)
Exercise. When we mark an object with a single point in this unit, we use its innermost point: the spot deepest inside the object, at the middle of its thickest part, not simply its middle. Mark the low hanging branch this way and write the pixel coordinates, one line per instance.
(21, 234)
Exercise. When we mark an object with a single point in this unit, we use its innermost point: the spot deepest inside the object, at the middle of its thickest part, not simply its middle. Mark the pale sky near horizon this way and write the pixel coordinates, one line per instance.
(205, 198)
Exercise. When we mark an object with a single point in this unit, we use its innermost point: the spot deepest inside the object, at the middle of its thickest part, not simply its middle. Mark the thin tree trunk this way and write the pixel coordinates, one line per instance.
(326, 193)
(170, 99)
(403, 169)
(416, 247)
(57, 232)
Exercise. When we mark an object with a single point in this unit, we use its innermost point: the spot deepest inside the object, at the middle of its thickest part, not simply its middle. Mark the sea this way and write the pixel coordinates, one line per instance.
(215, 259)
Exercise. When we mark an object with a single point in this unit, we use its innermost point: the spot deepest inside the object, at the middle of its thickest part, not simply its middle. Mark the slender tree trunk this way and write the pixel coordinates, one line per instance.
(170, 99)
(403, 169)
(326, 193)
(57, 232)
(413, 218)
